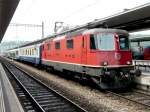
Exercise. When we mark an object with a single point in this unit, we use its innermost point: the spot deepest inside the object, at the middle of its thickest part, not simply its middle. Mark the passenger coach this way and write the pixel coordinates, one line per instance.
(31, 53)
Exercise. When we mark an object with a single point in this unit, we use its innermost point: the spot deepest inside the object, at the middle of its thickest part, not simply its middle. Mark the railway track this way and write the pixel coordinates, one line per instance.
(135, 96)
(36, 96)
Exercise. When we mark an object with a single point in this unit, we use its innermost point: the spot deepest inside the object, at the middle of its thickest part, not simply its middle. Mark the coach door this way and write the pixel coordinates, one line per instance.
(84, 50)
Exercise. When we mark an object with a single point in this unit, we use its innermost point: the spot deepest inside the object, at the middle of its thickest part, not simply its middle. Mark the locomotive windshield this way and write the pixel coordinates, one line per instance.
(102, 41)
(123, 42)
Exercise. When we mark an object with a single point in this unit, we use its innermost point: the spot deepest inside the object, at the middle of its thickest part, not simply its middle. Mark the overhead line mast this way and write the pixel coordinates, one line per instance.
(29, 25)
(85, 26)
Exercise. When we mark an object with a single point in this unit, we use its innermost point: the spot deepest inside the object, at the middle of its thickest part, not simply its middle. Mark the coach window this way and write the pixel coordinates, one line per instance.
(57, 45)
(70, 44)
(30, 51)
(48, 46)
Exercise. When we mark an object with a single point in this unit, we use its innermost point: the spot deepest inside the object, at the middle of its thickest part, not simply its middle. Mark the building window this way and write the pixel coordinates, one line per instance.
(57, 45)
(70, 44)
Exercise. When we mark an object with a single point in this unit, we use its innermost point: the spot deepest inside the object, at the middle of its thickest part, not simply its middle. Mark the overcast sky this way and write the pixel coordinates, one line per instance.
(72, 12)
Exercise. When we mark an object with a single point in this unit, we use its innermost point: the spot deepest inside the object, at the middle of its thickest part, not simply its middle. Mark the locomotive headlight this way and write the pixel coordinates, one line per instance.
(128, 62)
(105, 63)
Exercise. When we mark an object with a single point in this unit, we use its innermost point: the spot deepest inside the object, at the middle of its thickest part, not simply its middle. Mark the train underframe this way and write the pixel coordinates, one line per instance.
(116, 78)
(104, 77)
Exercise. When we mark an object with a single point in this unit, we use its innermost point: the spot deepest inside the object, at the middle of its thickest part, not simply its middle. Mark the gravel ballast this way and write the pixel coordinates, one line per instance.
(93, 100)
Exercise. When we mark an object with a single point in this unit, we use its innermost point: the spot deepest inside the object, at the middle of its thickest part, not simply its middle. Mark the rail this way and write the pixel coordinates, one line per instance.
(44, 98)
(135, 96)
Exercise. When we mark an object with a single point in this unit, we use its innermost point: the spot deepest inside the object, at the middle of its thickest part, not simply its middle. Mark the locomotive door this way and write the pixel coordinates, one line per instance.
(84, 50)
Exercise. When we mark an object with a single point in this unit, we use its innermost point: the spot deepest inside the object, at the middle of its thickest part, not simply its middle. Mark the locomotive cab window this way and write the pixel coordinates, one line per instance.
(123, 42)
(102, 41)
(93, 42)
(70, 44)
(57, 45)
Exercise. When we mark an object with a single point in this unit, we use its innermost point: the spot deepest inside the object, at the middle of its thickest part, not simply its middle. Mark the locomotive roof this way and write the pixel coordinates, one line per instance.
(105, 30)
(88, 31)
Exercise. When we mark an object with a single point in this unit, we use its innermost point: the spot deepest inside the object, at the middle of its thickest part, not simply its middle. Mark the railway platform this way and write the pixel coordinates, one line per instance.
(143, 82)
(8, 99)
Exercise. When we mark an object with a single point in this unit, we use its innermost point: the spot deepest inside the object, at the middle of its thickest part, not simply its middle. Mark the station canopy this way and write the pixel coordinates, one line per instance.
(7, 9)
(131, 19)
(139, 38)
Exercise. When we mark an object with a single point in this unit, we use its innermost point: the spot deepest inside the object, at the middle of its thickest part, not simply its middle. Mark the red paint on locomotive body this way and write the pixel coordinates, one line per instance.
(81, 53)
(147, 53)
(62, 54)
(96, 53)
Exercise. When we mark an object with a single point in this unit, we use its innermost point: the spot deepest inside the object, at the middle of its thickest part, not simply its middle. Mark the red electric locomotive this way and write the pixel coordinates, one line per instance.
(147, 53)
(102, 55)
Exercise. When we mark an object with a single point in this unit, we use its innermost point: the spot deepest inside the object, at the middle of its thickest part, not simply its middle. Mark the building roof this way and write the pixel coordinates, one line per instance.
(7, 9)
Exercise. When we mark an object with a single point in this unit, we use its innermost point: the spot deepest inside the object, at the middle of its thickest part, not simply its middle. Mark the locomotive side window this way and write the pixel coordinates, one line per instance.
(82, 42)
(57, 45)
(102, 41)
(49, 46)
(69, 44)
(123, 42)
